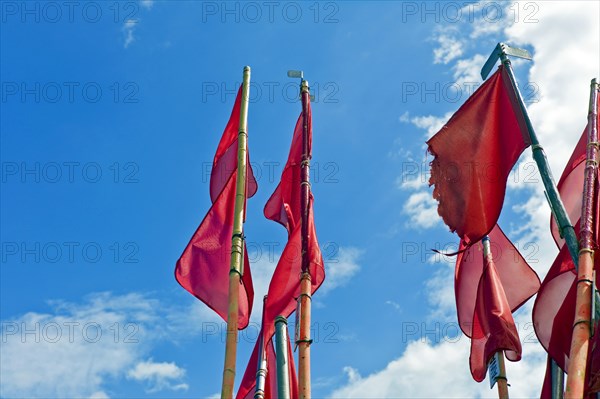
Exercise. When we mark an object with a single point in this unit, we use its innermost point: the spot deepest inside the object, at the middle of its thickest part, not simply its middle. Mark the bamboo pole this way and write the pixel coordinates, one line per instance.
(583, 307)
(304, 339)
(283, 370)
(237, 246)
(501, 380)
(261, 369)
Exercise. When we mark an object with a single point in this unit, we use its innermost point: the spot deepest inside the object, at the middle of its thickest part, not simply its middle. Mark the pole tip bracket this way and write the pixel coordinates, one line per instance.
(501, 51)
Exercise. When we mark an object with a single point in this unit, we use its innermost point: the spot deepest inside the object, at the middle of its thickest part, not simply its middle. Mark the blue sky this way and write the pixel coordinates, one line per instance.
(110, 117)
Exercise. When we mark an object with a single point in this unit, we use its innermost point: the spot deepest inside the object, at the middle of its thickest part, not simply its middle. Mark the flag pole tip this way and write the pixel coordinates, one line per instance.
(247, 68)
(501, 51)
(292, 73)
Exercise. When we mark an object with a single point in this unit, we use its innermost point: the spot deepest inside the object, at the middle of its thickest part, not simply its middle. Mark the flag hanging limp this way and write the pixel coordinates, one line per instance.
(203, 268)
(284, 207)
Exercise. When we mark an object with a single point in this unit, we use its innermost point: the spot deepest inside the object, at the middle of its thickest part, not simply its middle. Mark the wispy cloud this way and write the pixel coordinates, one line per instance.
(73, 350)
(158, 376)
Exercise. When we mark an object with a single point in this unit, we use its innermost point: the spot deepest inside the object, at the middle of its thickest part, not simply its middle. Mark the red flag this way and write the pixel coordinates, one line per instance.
(248, 385)
(473, 156)
(203, 268)
(284, 207)
(554, 307)
(493, 325)
(519, 281)
(594, 373)
(225, 161)
(547, 385)
(570, 187)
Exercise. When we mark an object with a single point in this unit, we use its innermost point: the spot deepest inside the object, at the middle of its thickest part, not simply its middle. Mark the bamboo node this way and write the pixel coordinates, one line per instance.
(594, 144)
(582, 321)
(306, 295)
(586, 250)
(241, 236)
(537, 147)
(304, 341)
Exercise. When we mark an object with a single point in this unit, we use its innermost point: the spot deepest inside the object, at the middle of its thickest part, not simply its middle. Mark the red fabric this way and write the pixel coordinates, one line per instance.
(203, 268)
(284, 207)
(547, 385)
(520, 282)
(493, 325)
(594, 374)
(225, 161)
(570, 187)
(473, 156)
(248, 385)
(554, 308)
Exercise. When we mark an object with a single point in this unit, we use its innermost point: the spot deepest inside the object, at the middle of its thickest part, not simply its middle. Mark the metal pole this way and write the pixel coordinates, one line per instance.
(304, 339)
(261, 373)
(558, 380)
(501, 380)
(558, 209)
(556, 206)
(583, 306)
(237, 246)
(283, 375)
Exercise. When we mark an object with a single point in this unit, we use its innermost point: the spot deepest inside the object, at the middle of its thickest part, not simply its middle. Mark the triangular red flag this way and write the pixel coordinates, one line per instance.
(473, 156)
(203, 268)
(493, 325)
(284, 207)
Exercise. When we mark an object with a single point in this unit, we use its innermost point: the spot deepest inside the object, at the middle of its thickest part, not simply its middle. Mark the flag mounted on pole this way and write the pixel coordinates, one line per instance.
(554, 308)
(203, 268)
(473, 156)
(291, 205)
(488, 288)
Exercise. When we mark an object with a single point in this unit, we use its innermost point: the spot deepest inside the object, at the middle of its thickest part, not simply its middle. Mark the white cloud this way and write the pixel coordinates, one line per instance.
(99, 395)
(421, 209)
(75, 349)
(430, 123)
(158, 376)
(147, 4)
(128, 29)
(341, 268)
(449, 47)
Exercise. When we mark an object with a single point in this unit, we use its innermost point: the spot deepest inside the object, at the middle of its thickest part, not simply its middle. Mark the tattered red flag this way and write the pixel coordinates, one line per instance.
(284, 207)
(473, 155)
(493, 325)
(519, 281)
(203, 268)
